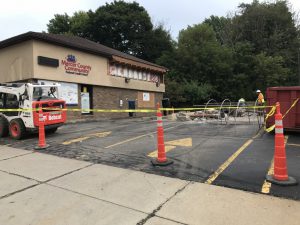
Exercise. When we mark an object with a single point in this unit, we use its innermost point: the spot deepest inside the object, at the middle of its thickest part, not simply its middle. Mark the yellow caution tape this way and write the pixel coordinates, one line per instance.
(79, 110)
(273, 126)
(215, 108)
(295, 102)
(133, 110)
(270, 128)
(18, 110)
(271, 113)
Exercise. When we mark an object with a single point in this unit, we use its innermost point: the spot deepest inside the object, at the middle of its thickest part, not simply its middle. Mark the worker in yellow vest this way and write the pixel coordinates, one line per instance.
(260, 102)
(260, 98)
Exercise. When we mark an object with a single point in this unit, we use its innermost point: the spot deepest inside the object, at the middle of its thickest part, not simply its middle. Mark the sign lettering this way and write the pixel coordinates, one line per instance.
(73, 67)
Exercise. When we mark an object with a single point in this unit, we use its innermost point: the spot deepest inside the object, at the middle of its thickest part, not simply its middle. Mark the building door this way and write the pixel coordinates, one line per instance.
(131, 105)
(166, 104)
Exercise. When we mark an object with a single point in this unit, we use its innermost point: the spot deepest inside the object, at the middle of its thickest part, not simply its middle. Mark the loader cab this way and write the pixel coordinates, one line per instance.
(44, 93)
(21, 105)
(9, 101)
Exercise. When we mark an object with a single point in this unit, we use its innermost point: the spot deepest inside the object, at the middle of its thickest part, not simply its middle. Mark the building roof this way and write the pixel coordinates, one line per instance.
(81, 44)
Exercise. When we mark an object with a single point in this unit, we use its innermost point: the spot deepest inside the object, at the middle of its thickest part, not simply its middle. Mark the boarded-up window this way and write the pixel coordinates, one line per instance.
(112, 69)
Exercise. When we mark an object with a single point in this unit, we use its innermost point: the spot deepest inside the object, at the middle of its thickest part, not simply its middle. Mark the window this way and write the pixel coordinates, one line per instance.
(42, 93)
(140, 75)
(130, 73)
(112, 69)
(121, 71)
(126, 72)
(144, 76)
(148, 76)
(135, 74)
(11, 101)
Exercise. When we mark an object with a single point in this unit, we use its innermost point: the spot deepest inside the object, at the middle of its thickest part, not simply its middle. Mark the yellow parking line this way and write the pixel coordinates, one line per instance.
(296, 145)
(135, 138)
(75, 140)
(228, 161)
(99, 134)
(266, 187)
(128, 140)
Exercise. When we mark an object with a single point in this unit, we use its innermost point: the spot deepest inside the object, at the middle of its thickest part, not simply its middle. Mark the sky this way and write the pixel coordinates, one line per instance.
(20, 16)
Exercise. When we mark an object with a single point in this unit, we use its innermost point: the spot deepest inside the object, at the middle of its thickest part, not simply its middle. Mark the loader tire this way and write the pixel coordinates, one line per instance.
(17, 129)
(3, 127)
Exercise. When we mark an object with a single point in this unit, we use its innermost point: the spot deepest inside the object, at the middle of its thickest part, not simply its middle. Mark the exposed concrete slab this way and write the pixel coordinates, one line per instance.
(207, 204)
(47, 205)
(159, 221)
(11, 183)
(40, 166)
(7, 152)
(133, 189)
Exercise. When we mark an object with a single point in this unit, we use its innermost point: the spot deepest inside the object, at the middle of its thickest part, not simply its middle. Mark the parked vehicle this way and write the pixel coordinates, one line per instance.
(20, 102)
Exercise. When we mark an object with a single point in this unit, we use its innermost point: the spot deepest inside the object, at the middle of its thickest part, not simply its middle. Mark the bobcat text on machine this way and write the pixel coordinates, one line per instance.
(19, 104)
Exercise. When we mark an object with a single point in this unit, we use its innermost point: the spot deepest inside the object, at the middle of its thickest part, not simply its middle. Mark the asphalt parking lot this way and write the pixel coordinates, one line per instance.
(233, 155)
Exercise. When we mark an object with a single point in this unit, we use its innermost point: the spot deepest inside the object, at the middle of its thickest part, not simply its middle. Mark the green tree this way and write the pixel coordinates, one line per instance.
(270, 28)
(78, 23)
(243, 76)
(156, 43)
(222, 26)
(203, 58)
(121, 25)
(196, 92)
(200, 66)
(270, 71)
(124, 26)
(60, 24)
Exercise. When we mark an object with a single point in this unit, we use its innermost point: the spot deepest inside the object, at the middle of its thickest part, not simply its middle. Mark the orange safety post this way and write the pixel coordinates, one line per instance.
(42, 140)
(161, 159)
(280, 175)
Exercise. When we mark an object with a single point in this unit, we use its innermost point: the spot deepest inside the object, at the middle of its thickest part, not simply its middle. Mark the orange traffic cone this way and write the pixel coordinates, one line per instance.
(280, 175)
(42, 140)
(161, 159)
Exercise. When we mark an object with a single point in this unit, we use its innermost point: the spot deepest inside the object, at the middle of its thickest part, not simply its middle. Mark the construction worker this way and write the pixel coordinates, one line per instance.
(241, 102)
(240, 111)
(260, 102)
(260, 98)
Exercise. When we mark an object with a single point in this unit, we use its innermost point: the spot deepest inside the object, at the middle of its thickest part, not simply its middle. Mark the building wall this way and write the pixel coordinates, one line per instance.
(109, 98)
(99, 74)
(20, 63)
(16, 62)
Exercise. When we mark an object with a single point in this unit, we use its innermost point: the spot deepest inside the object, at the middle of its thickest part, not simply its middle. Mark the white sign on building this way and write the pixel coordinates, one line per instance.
(146, 97)
(85, 102)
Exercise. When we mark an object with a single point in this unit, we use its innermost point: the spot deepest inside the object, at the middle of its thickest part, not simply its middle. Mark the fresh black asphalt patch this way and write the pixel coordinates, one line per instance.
(293, 163)
(130, 142)
(248, 171)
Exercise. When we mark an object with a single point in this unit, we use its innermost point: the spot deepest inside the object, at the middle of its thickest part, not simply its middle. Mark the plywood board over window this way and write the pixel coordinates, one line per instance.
(146, 100)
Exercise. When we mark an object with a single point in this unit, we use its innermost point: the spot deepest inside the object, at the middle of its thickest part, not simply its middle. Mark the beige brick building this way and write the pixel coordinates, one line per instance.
(90, 74)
